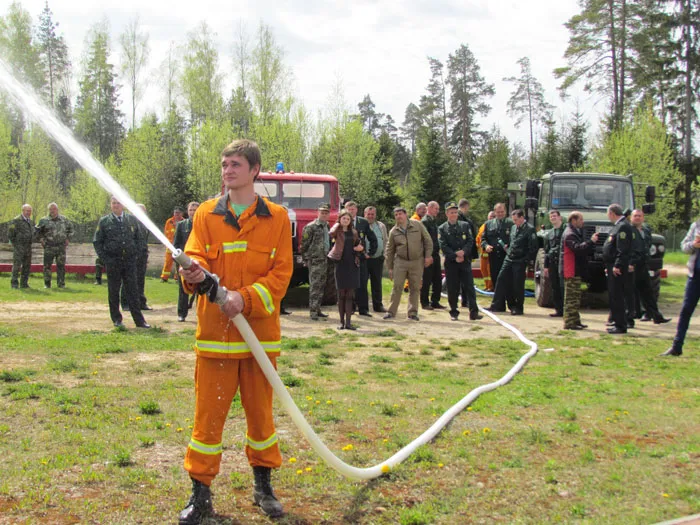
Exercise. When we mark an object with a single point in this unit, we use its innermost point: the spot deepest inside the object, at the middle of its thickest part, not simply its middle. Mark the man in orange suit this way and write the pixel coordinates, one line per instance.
(169, 231)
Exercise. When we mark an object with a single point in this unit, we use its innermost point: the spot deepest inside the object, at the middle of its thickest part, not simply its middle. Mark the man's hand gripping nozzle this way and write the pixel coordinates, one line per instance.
(210, 286)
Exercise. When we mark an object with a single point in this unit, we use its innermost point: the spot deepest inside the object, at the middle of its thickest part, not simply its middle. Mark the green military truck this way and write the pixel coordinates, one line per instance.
(591, 194)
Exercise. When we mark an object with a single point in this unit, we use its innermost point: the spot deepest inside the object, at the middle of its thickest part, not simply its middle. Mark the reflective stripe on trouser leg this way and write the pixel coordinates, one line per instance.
(261, 448)
(572, 301)
(167, 265)
(216, 382)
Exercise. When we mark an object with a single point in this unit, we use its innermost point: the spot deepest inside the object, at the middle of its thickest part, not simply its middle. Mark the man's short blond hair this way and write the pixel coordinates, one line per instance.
(246, 149)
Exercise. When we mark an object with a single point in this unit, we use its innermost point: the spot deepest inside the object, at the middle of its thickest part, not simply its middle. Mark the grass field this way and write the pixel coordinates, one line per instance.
(94, 426)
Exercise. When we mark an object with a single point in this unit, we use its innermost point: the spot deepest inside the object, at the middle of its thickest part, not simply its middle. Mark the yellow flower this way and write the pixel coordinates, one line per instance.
(432, 399)
(347, 447)
(179, 429)
(608, 419)
(329, 402)
(308, 469)
(168, 424)
(466, 433)
(626, 413)
(310, 412)
(94, 373)
(396, 406)
(187, 419)
(386, 468)
(349, 409)
(440, 465)
(44, 462)
(469, 409)
(190, 427)
(309, 398)
(385, 440)
(300, 471)
(318, 402)
(292, 460)
(138, 418)
(486, 430)
(371, 403)
(665, 495)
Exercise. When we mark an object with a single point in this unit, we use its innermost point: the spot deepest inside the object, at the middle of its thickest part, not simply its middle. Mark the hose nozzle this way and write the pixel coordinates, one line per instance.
(209, 286)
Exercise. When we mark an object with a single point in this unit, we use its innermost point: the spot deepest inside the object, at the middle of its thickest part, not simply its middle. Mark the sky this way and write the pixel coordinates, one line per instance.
(369, 47)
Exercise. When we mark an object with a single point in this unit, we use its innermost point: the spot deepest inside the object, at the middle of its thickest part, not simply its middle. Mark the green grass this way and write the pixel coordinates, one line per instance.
(598, 431)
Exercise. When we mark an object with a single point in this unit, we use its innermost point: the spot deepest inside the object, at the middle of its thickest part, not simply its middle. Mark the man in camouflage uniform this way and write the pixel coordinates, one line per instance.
(21, 234)
(616, 256)
(456, 241)
(552, 249)
(315, 245)
(116, 240)
(495, 239)
(522, 248)
(54, 232)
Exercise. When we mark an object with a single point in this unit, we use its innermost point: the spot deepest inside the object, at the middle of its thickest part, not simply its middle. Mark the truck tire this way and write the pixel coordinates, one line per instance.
(656, 284)
(543, 286)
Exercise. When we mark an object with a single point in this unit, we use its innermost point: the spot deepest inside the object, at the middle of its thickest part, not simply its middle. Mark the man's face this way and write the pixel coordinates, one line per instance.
(421, 211)
(352, 209)
(323, 215)
(371, 215)
(612, 217)
(452, 215)
(116, 206)
(236, 173)
(518, 221)
(27, 212)
(464, 209)
(53, 211)
(578, 223)
(500, 212)
(177, 215)
(433, 210)
(191, 209)
(555, 219)
(400, 217)
(637, 218)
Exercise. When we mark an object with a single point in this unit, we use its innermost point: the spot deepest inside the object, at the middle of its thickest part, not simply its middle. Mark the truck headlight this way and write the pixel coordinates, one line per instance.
(652, 250)
(662, 248)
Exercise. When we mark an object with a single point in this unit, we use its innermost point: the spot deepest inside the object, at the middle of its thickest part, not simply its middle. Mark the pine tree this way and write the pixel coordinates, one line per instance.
(433, 106)
(54, 55)
(432, 174)
(412, 122)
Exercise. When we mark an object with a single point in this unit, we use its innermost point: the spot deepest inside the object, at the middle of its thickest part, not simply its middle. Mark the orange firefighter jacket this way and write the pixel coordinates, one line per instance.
(169, 229)
(251, 254)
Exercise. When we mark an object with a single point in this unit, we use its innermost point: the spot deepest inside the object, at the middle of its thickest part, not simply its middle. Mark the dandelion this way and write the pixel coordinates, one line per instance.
(349, 409)
(318, 402)
(310, 412)
(486, 430)
(371, 403)
(94, 373)
(386, 468)
(469, 409)
(608, 419)
(45, 462)
(329, 402)
(347, 447)
(440, 465)
(168, 424)
(187, 419)
(308, 469)
(190, 427)
(309, 398)
(626, 413)
(396, 406)
(432, 399)
(665, 495)
(138, 418)
(292, 460)
(299, 472)
(385, 440)
(466, 432)
(179, 429)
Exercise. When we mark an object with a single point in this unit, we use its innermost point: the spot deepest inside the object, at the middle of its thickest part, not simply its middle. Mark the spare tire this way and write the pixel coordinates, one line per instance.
(543, 286)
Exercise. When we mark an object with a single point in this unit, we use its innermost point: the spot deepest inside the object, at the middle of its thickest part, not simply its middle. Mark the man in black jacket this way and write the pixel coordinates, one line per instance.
(182, 233)
(463, 215)
(366, 236)
(552, 249)
(495, 239)
(432, 275)
(616, 256)
(116, 242)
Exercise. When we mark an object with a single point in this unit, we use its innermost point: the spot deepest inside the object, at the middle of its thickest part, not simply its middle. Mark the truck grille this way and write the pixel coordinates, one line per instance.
(588, 232)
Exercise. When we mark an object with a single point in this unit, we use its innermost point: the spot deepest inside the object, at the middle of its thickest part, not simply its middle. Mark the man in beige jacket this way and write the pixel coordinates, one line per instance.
(408, 251)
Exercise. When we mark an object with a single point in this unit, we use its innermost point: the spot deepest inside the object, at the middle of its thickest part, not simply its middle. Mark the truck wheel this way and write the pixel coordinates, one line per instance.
(656, 284)
(543, 286)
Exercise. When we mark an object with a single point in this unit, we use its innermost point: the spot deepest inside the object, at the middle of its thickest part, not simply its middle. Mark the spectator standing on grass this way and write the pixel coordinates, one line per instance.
(464, 217)
(616, 256)
(116, 242)
(375, 263)
(552, 250)
(484, 265)
(432, 275)
(169, 231)
(366, 237)
(495, 239)
(141, 266)
(54, 233)
(691, 245)
(456, 243)
(409, 251)
(21, 234)
(182, 234)
(347, 247)
(573, 268)
(315, 245)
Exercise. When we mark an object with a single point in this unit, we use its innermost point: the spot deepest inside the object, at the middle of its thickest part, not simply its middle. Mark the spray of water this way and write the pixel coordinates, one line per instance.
(26, 99)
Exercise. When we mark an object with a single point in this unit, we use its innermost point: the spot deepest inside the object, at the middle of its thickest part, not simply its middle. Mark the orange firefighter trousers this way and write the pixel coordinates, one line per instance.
(216, 383)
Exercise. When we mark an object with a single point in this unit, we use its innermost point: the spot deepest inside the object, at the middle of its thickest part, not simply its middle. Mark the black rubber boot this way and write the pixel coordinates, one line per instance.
(263, 495)
(199, 506)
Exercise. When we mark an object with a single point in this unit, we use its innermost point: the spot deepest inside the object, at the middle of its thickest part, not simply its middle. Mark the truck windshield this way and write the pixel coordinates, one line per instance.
(589, 193)
(305, 195)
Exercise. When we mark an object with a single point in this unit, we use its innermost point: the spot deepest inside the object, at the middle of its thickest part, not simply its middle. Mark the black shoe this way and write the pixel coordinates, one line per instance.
(516, 312)
(15, 286)
(475, 316)
(119, 325)
(662, 320)
(610, 323)
(263, 495)
(146, 307)
(630, 324)
(645, 318)
(439, 307)
(575, 327)
(380, 310)
(366, 314)
(465, 305)
(143, 325)
(494, 310)
(616, 331)
(427, 307)
(25, 286)
(349, 326)
(61, 285)
(322, 315)
(198, 507)
(284, 311)
(341, 327)
(125, 307)
(556, 314)
(414, 318)
(672, 351)
(453, 317)
(98, 283)
(581, 326)
(389, 315)
(180, 319)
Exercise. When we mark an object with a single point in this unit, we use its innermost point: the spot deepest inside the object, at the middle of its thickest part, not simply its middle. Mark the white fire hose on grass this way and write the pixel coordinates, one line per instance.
(219, 296)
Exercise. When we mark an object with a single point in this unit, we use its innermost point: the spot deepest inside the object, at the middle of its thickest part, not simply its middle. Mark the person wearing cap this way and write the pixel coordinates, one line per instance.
(169, 231)
(456, 242)
(432, 275)
(408, 251)
(315, 245)
(463, 216)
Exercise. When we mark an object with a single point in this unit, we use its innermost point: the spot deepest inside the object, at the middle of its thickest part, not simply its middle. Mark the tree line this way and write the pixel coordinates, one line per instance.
(642, 57)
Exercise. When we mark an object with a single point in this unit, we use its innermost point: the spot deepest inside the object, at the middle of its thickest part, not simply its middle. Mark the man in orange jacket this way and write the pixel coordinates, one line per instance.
(247, 242)
(169, 231)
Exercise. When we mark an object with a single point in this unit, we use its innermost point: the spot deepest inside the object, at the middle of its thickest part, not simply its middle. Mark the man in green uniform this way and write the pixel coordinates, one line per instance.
(616, 256)
(495, 239)
(21, 234)
(464, 217)
(116, 242)
(522, 248)
(315, 245)
(141, 267)
(552, 250)
(456, 243)
(182, 233)
(432, 275)
(54, 232)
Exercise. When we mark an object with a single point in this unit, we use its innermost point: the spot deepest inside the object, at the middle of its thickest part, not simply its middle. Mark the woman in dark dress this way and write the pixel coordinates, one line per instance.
(347, 269)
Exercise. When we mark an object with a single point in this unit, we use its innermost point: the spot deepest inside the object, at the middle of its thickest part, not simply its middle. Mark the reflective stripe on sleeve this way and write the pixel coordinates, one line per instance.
(261, 445)
(222, 347)
(203, 448)
(274, 251)
(265, 296)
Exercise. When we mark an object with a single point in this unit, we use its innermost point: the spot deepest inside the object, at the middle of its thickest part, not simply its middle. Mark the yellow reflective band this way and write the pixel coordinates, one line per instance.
(206, 247)
(274, 251)
(261, 445)
(203, 448)
(265, 296)
(238, 246)
(222, 347)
